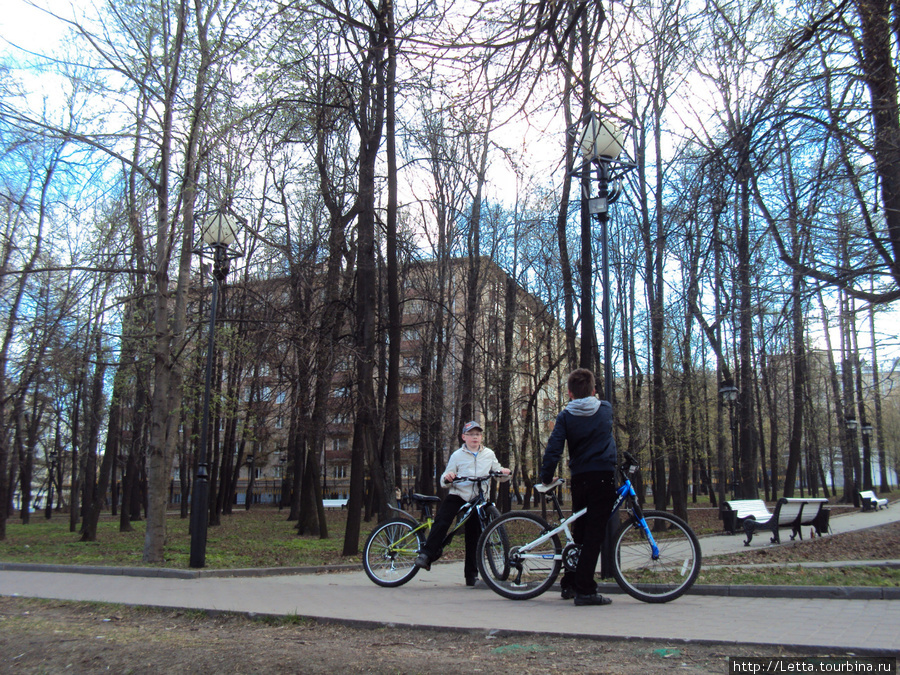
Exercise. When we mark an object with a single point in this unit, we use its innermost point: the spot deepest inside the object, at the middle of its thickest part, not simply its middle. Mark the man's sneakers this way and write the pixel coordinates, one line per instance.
(422, 562)
(471, 581)
(567, 593)
(583, 599)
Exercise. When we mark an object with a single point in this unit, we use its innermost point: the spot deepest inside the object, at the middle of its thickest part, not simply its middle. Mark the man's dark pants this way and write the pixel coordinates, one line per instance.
(595, 490)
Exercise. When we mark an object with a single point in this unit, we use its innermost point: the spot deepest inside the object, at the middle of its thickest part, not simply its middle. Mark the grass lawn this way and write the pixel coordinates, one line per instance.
(263, 537)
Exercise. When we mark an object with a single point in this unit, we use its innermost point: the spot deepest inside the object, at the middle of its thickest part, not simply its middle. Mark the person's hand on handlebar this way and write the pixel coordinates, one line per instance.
(450, 476)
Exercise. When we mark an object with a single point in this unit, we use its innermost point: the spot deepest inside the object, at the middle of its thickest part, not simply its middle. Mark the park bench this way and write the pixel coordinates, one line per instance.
(737, 510)
(871, 502)
(794, 514)
(334, 503)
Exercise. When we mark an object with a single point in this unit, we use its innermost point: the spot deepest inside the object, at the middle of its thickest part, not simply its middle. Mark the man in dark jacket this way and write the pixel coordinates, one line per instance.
(585, 424)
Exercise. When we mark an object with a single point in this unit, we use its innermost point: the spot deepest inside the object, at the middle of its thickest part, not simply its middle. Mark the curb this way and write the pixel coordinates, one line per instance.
(170, 573)
(783, 592)
(790, 592)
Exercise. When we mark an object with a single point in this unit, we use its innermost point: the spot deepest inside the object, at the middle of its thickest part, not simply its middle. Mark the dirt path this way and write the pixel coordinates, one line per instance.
(43, 636)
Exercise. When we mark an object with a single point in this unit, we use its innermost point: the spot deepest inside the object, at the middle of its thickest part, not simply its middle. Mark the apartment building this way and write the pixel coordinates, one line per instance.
(268, 395)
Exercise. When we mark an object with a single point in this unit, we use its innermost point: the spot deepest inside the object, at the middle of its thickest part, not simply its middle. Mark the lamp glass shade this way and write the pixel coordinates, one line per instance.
(728, 392)
(866, 429)
(599, 139)
(851, 423)
(220, 230)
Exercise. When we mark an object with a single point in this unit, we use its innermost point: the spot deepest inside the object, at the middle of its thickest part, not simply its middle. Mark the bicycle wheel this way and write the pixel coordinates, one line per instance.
(496, 547)
(665, 577)
(527, 570)
(390, 552)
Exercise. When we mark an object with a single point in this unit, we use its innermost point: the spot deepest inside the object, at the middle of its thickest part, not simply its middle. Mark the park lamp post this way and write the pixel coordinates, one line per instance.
(250, 468)
(600, 145)
(852, 426)
(728, 394)
(52, 460)
(866, 430)
(282, 461)
(218, 234)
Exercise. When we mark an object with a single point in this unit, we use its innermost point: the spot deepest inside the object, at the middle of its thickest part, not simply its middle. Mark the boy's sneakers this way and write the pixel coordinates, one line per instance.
(582, 599)
(422, 562)
(471, 581)
(567, 593)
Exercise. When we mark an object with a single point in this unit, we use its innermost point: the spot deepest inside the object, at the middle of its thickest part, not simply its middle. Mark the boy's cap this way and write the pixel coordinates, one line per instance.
(469, 426)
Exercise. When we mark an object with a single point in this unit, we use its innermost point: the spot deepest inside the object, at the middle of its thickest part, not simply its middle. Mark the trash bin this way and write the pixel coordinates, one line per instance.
(821, 521)
(729, 520)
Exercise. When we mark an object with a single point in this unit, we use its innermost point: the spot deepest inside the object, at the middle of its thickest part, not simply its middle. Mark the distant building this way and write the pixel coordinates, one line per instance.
(433, 327)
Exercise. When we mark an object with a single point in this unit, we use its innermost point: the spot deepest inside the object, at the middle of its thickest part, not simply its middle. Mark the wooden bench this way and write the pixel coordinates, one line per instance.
(793, 514)
(871, 502)
(737, 510)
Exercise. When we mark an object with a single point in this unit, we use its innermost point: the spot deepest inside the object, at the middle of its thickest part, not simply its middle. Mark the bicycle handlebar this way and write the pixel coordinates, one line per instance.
(478, 479)
(629, 466)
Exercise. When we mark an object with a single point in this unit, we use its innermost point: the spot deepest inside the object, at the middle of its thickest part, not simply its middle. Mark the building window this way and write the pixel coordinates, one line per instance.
(409, 439)
(281, 397)
(411, 388)
(339, 471)
(410, 366)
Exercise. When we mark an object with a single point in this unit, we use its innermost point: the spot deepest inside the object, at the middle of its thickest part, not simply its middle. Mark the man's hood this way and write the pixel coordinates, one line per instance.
(583, 407)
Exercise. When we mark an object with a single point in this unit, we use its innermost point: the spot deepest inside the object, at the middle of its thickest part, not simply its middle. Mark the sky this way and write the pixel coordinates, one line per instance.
(23, 27)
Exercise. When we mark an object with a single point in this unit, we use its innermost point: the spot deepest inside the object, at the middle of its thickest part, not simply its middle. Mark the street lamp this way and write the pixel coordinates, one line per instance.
(250, 467)
(282, 460)
(852, 426)
(601, 145)
(866, 430)
(218, 234)
(728, 393)
(51, 466)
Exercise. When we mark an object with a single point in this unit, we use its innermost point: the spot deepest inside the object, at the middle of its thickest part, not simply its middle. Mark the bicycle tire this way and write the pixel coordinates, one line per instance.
(496, 547)
(522, 576)
(672, 573)
(390, 552)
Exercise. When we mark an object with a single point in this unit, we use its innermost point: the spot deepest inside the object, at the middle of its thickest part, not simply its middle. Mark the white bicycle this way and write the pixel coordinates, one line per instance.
(656, 556)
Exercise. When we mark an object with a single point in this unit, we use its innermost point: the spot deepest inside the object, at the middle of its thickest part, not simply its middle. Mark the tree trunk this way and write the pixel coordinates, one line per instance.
(390, 443)
(372, 102)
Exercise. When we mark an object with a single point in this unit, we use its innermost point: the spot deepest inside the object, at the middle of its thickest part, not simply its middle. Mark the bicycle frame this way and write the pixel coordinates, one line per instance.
(464, 513)
(624, 492)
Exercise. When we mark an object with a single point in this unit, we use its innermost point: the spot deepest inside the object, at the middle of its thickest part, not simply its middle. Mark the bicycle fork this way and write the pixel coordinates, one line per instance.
(628, 491)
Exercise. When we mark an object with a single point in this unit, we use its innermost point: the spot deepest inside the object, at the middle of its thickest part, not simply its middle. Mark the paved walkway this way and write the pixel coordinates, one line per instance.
(439, 599)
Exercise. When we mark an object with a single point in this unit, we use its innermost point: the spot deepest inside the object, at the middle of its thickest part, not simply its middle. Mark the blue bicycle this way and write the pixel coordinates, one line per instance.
(656, 556)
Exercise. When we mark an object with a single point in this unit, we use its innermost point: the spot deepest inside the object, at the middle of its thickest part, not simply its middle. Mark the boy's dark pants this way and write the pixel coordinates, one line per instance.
(442, 522)
(595, 490)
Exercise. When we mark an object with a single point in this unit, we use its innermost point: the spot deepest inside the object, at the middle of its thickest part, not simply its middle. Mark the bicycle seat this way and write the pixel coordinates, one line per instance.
(425, 499)
(540, 487)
